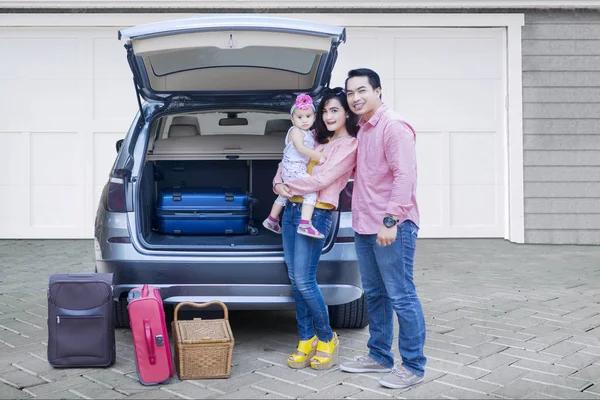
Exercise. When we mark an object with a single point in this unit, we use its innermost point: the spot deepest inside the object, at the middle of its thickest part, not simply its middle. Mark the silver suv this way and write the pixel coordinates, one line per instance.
(214, 96)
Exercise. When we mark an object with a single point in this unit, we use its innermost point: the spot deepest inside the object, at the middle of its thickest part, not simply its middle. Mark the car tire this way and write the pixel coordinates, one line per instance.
(120, 314)
(351, 315)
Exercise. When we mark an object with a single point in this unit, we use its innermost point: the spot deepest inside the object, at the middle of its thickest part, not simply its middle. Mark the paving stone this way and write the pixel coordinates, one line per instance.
(370, 382)
(543, 367)
(94, 391)
(570, 394)
(334, 392)
(504, 375)
(430, 390)
(551, 338)
(577, 360)
(154, 394)
(465, 394)
(57, 386)
(230, 385)
(454, 369)
(20, 379)
(459, 359)
(187, 390)
(365, 394)
(244, 393)
(561, 381)
(519, 389)
(458, 382)
(286, 374)
(563, 349)
(323, 380)
(591, 373)
(281, 388)
(494, 361)
(472, 341)
(531, 355)
(10, 392)
(484, 350)
(519, 344)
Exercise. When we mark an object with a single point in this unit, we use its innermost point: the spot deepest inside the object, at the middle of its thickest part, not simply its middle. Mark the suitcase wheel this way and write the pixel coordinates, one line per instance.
(253, 231)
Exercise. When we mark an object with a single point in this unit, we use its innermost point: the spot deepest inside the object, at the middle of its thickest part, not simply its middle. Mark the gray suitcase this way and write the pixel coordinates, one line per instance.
(80, 322)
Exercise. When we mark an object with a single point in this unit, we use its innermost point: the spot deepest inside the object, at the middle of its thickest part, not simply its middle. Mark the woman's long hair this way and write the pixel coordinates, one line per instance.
(323, 135)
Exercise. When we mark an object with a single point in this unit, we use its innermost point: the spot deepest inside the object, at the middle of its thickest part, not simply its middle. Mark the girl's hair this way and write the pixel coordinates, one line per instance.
(338, 93)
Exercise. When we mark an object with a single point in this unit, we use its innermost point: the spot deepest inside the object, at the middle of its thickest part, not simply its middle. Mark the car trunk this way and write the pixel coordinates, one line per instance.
(252, 176)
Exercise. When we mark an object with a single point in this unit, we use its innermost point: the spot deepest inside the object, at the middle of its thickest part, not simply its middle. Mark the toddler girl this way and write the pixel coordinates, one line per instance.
(299, 149)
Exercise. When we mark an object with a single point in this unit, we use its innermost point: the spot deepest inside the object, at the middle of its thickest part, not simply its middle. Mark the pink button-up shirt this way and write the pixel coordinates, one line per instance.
(385, 181)
(329, 178)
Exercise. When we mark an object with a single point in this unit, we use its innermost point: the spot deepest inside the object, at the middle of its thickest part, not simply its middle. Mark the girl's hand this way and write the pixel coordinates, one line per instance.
(284, 191)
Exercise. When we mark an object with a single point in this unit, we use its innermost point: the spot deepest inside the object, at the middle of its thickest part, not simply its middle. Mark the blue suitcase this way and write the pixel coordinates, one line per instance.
(204, 211)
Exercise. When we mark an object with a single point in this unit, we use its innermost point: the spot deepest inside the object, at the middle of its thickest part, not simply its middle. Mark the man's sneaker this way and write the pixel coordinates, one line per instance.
(363, 364)
(400, 378)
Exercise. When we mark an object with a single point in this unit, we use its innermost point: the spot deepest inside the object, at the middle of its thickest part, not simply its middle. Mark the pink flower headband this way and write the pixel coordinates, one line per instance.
(303, 102)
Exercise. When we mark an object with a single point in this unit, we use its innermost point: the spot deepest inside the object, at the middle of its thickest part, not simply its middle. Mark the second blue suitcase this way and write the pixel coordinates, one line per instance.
(204, 211)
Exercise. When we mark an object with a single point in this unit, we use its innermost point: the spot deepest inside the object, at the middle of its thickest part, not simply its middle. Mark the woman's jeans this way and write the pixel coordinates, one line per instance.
(302, 254)
(387, 279)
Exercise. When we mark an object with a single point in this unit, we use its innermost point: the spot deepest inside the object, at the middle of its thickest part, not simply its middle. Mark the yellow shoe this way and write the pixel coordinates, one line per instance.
(327, 354)
(301, 358)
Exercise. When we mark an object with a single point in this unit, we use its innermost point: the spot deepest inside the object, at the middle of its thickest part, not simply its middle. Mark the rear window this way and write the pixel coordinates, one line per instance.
(294, 60)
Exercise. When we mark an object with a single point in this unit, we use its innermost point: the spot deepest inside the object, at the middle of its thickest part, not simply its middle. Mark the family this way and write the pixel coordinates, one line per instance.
(356, 135)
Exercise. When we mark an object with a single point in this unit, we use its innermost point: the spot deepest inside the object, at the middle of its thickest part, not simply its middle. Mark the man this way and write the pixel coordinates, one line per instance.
(385, 220)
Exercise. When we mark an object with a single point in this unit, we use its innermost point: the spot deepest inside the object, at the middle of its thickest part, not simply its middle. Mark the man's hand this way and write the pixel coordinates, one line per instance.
(284, 191)
(386, 236)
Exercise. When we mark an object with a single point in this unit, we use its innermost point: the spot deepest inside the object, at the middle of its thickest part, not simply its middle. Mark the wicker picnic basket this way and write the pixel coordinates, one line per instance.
(203, 347)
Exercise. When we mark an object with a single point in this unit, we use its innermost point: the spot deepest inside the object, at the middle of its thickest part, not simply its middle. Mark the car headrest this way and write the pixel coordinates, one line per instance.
(277, 127)
(183, 126)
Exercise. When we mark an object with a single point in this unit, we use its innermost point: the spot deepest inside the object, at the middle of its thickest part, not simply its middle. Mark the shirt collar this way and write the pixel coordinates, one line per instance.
(375, 118)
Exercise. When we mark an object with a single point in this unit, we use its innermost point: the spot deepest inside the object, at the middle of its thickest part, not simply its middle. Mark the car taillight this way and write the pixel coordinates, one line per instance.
(115, 199)
(345, 203)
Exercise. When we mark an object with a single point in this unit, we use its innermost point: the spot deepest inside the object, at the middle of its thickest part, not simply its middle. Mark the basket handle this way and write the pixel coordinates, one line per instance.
(187, 303)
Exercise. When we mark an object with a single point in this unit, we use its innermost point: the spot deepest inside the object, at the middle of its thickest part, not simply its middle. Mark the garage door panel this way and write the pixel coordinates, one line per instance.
(29, 105)
(430, 158)
(364, 42)
(455, 103)
(13, 146)
(431, 204)
(109, 59)
(473, 158)
(47, 168)
(474, 206)
(39, 58)
(57, 206)
(114, 99)
(14, 207)
(448, 57)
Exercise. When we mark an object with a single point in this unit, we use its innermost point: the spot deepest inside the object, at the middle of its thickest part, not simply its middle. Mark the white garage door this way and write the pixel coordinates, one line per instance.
(450, 85)
(68, 96)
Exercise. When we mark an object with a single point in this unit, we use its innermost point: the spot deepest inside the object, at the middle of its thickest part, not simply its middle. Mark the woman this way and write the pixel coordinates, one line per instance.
(336, 128)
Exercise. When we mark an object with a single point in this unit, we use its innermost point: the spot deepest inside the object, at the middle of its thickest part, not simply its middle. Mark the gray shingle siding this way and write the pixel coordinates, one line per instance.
(561, 126)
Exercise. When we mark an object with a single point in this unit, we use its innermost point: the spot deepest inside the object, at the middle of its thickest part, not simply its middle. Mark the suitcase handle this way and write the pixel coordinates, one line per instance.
(145, 290)
(187, 303)
(149, 342)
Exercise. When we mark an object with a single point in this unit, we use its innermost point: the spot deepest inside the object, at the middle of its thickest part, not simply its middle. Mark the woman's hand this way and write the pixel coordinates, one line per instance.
(284, 191)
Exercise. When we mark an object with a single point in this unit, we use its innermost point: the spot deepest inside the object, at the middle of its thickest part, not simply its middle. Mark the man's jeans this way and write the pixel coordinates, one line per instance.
(302, 254)
(387, 278)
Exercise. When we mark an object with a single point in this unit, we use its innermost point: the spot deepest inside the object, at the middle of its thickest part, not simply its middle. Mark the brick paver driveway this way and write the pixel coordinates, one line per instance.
(503, 321)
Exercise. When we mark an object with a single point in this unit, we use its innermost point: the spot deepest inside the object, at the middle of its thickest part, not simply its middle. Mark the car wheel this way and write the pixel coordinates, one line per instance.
(120, 314)
(351, 315)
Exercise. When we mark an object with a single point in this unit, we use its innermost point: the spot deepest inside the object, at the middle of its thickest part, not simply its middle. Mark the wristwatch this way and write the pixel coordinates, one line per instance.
(389, 221)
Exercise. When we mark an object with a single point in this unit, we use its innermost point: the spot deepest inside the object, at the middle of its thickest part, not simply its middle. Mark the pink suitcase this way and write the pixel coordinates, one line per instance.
(150, 337)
